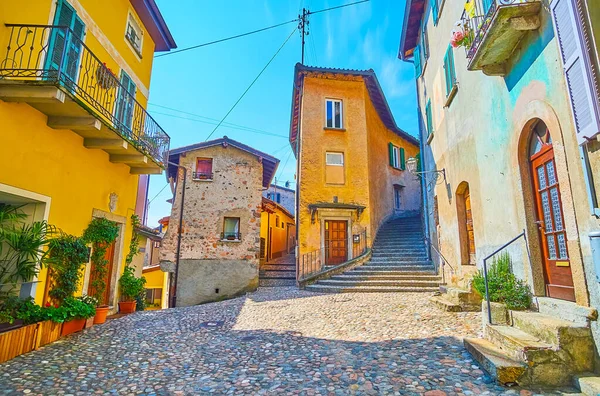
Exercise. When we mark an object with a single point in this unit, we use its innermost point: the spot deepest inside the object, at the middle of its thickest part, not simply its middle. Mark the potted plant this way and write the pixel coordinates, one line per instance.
(73, 313)
(105, 76)
(131, 287)
(100, 233)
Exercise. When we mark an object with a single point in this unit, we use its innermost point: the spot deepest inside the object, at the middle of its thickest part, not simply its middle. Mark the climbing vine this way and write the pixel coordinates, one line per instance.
(100, 233)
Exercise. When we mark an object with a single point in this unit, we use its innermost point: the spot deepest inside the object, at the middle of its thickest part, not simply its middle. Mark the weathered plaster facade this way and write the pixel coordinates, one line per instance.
(481, 137)
(369, 179)
(212, 266)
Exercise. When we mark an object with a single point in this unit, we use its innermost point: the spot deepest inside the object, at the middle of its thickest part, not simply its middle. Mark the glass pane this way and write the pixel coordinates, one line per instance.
(338, 114)
(231, 226)
(551, 247)
(541, 177)
(558, 223)
(562, 246)
(546, 210)
(329, 109)
(335, 159)
(551, 173)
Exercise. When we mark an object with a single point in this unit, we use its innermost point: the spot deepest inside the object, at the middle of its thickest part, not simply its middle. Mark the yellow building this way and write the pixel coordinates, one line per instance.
(351, 161)
(277, 231)
(77, 142)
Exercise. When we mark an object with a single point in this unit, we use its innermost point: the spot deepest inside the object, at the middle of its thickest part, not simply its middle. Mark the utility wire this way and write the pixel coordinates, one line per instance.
(255, 31)
(285, 163)
(251, 84)
(161, 190)
(225, 39)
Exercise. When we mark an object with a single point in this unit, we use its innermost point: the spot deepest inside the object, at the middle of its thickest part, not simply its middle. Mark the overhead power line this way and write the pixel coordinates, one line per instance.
(251, 84)
(258, 30)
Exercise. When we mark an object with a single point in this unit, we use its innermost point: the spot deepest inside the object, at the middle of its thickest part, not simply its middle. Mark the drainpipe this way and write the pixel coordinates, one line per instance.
(179, 231)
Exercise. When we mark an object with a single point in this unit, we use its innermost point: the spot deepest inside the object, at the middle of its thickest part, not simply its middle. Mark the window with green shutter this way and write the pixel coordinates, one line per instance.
(417, 55)
(429, 118)
(425, 42)
(449, 71)
(391, 153)
(402, 159)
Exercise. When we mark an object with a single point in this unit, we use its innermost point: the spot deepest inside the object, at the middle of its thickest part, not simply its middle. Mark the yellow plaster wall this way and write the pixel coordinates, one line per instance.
(156, 279)
(316, 141)
(55, 163)
(279, 234)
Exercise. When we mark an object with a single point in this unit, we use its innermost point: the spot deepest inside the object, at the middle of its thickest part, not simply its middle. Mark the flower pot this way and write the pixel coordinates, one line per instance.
(101, 312)
(127, 307)
(72, 326)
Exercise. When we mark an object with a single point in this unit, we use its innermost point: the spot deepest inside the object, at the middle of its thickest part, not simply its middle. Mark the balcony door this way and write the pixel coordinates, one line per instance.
(125, 104)
(64, 48)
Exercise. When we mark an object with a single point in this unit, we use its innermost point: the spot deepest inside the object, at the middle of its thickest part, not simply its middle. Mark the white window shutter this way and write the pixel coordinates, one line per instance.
(577, 69)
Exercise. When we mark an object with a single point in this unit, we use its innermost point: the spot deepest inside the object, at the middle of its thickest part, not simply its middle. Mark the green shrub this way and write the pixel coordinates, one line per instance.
(131, 287)
(503, 285)
(100, 233)
(68, 254)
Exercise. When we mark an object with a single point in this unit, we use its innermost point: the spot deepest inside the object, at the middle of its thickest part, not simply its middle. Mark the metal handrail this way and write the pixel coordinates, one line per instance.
(485, 277)
(84, 77)
(444, 261)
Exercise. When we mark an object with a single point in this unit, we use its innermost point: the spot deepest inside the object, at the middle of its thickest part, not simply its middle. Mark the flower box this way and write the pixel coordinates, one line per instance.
(72, 326)
(17, 342)
(48, 332)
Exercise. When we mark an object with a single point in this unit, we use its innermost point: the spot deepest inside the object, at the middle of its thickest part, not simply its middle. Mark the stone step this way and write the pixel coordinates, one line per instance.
(552, 330)
(444, 304)
(587, 383)
(399, 251)
(392, 254)
(377, 276)
(367, 289)
(386, 283)
(470, 301)
(276, 282)
(389, 273)
(516, 343)
(398, 262)
(277, 274)
(495, 361)
(399, 268)
(277, 267)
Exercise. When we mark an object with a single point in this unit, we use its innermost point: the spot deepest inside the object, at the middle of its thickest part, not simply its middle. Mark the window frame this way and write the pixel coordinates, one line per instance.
(137, 28)
(397, 198)
(333, 101)
(335, 153)
(237, 234)
(195, 173)
(396, 157)
(429, 121)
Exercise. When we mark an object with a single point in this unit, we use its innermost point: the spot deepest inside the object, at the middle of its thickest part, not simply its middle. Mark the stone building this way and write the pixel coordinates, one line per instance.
(283, 196)
(220, 241)
(352, 156)
(508, 109)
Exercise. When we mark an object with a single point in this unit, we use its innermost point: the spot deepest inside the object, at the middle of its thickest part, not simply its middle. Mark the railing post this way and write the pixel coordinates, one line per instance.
(527, 248)
(487, 290)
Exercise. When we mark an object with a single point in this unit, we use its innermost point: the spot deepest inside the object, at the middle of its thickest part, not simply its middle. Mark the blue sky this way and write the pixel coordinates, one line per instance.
(207, 81)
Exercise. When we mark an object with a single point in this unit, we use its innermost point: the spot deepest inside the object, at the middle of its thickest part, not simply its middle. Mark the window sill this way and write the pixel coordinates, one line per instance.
(231, 240)
(451, 95)
(334, 129)
(430, 137)
(202, 180)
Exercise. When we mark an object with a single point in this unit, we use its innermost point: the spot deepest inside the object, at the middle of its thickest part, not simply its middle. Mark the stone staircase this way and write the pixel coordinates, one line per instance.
(278, 272)
(531, 348)
(398, 263)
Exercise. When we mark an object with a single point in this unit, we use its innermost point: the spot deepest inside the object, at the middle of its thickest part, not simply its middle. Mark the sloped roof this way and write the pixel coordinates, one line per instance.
(154, 22)
(373, 88)
(413, 14)
(269, 162)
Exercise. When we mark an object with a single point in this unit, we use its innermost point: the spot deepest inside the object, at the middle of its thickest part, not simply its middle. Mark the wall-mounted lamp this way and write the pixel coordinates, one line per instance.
(412, 164)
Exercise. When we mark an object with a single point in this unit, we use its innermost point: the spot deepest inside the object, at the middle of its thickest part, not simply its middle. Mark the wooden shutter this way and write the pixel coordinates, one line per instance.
(391, 153)
(64, 18)
(417, 53)
(577, 69)
(434, 11)
(402, 159)
(429, 118)
(418, 157)
(449, 72)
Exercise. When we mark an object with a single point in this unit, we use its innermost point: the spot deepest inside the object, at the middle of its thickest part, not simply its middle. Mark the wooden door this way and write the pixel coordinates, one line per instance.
(469, 226)
(105, 298)
(336, 242)
(549, 214)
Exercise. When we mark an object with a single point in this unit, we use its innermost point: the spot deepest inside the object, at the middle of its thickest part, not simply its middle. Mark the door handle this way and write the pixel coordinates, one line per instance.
(540, 223)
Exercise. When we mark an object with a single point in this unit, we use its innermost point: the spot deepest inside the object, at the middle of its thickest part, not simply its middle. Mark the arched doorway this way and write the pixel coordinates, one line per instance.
(466, 232)
(549, 215)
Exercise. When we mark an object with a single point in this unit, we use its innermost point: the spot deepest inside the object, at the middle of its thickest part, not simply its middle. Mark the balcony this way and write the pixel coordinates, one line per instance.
(496, 27)
(51, 69)
(202, 176)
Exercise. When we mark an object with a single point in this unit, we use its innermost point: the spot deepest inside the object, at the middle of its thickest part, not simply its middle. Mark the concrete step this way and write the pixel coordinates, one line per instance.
(587, 383)
(518, 344)
(377, 276)
(386, 283)
(495, 361)
(277, 274)
(548, 328)
(278, 267)
(276, 282)
(367, 289)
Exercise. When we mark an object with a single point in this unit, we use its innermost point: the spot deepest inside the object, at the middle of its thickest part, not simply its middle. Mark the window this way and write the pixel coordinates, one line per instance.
(134, 35)
(154, 297)
(425, 42)
(334, 172)
(429, 119)
(277, 221)
(449, 71)
(125, 101)
(203, 169)
(333, 113)
(157, 244)
(396, 157)
(278, 197)
(231, 229)
(397, 197)
(417, 56)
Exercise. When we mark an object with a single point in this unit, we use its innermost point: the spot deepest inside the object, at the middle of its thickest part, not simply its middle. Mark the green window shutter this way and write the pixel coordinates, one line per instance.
(418, 157)
(429, 118)
(417, 53)
(402, 160)
(434, 11)
(449, 71)
(391, 153)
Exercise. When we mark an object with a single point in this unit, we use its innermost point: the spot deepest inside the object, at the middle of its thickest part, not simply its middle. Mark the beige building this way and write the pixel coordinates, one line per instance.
(221, 228)
(508, 109)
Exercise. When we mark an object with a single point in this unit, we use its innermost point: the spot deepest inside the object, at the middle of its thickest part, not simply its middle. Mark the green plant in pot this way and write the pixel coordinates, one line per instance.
(100, 233)
(67, 257)
(131, 287)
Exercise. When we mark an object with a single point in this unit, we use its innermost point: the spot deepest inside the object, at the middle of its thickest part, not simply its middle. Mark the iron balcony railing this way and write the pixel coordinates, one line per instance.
(477, 18)
(312, 263)
(231, 236)
(202, 176)
(56, 55)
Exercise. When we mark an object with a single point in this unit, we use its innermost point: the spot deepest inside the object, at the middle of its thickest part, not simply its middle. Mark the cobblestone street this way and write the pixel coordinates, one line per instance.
(274, 341)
